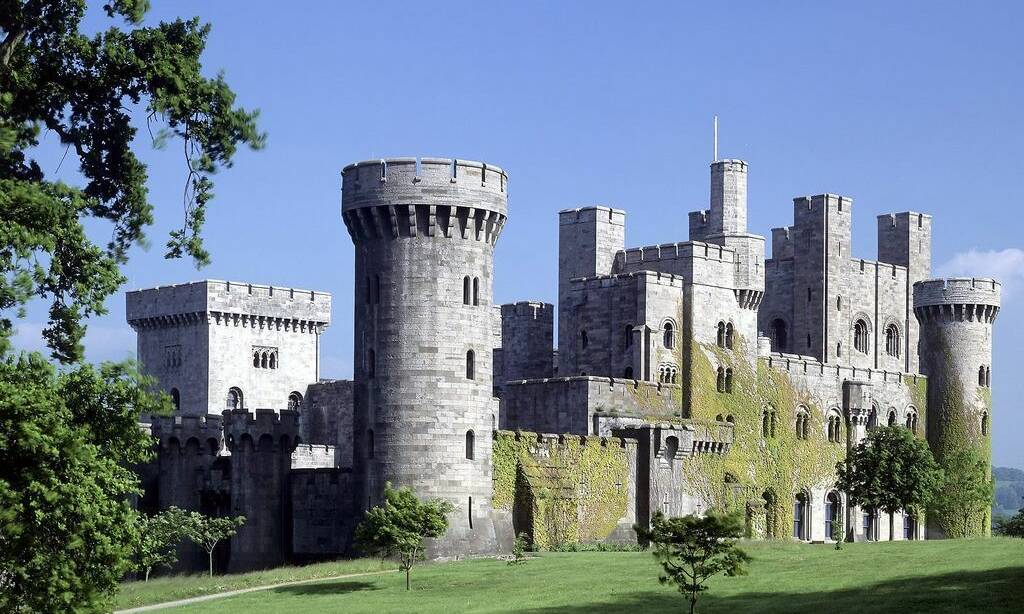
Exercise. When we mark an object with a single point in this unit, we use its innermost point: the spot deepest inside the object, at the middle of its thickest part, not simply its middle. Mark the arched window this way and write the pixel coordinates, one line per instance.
(802, 423)
(176, 399)
(629, 373)
(909, 526)
(774, 423)
(273, 360)
(728, 336)
(988, 376)
(892, 341)
(780, 339)
(721, 379)
(981, 375)
(719, 418)
(730, 419)
(370, 444)
(832, 509)
(627, 336)
(984, 423)
(799, 515)
(466, 292)
(476, 290)
(673, 378)
(912, 421)
(870, 525)
(376, 289)
(671, 447)
(892, 418)
(873, 417)
(839, 348)
(470, 445)
(728, 380)
(765, 425)
(470, 365)
(235, 400)
(771, 512)
(256, 359)
(720, 339)
(669, 337)
(860, 336)
(264, 360)
(661, 374)
(839, 303)
(294, 400)
(584, 339)
(835, 427)
(371, 364)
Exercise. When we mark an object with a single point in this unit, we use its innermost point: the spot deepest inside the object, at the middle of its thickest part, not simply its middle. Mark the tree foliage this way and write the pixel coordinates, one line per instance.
(965, 493)
(85, 89)
(208, 531)
(159, 537)
(67, 444)
(692, 549)
(399, 527)
(890, 470)
(1010, 527)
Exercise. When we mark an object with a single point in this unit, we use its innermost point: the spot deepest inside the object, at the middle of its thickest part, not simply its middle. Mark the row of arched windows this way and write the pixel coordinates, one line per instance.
(235, 399)
(667, 374)
(470, 290)
(892, 341)
(724, 380)
(769, 423)
(264, 358)
(803, 420)
(984, 376)
(835, 428)
(860, 336)
(725, 335)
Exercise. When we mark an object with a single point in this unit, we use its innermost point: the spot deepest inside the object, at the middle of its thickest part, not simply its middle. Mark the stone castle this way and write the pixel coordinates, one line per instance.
(686, 376)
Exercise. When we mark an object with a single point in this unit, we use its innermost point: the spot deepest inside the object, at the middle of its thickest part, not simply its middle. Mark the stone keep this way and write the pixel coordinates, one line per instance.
(424, 234)
(203, 339)
(956, 317)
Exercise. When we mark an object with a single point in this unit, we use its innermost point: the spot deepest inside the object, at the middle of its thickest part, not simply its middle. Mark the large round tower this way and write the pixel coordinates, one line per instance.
(424, 233)
(956, 317)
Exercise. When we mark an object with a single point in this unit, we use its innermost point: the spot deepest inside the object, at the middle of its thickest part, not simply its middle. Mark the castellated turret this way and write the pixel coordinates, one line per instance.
(956, 317)
(261, 446)
(424, 233)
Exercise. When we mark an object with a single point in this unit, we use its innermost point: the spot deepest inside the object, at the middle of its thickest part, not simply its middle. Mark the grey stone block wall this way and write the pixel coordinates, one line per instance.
(906, 239)
(199, 339)
(421, 230)
(319, 532)
(527, 339)
(326, 417)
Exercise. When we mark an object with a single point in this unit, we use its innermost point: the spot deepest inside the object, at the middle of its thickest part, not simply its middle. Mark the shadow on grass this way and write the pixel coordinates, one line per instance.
(992, 591)
(330, 587)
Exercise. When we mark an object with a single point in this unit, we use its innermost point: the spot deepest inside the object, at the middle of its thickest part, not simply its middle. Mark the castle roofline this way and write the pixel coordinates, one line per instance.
(424, 160)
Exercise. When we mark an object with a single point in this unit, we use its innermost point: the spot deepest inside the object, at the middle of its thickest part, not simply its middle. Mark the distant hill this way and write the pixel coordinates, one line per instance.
(1009, 491)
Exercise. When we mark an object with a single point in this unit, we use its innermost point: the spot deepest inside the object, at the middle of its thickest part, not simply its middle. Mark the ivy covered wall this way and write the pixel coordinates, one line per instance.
(565, 489)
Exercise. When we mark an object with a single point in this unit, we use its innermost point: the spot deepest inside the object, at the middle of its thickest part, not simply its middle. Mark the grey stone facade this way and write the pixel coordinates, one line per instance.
(438, 368)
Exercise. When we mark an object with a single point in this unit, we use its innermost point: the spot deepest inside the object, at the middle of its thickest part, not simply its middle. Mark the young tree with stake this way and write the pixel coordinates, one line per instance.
(208, 531)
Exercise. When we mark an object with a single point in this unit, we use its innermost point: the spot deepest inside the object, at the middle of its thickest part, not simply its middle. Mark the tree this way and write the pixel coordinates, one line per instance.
(67, 439)
(1011, 527)
(837, 531)
(208, 531)
(67, 442)
(159, 537)
(966, 492)
(890, 470)
(400, 525)
(693, 549)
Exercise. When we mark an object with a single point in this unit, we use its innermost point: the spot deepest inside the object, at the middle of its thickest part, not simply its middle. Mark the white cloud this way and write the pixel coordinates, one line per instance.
(1005, 266)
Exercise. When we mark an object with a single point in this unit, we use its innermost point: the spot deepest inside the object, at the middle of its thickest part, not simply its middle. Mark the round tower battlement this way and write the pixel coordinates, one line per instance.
(410, 197)
(729, 164)
(969, 299)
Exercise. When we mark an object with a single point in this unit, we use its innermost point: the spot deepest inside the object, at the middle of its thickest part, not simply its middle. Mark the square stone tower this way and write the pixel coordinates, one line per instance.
(216, 345)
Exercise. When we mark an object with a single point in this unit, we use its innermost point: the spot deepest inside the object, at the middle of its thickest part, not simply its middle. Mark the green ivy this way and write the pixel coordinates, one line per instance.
(576, 488)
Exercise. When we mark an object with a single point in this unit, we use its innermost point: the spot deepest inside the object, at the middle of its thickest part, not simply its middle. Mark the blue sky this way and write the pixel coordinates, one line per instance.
(902, 106)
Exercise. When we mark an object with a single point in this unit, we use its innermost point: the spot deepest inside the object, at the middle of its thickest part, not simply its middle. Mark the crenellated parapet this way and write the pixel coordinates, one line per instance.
(279, 428)
(178, 432)
(411, 197)
(957, 299)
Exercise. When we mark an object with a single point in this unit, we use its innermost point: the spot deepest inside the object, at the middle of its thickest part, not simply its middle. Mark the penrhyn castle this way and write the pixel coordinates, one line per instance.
(685, 376)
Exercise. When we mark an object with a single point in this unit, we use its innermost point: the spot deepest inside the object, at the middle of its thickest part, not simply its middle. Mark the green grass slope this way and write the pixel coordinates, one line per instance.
(935, 577)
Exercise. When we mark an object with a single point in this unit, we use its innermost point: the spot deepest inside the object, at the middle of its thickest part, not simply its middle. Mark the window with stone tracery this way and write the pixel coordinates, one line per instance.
(264, 357)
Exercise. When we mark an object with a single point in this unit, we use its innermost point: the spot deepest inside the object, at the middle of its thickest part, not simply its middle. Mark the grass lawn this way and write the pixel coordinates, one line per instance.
(938, 576)
(170, 588)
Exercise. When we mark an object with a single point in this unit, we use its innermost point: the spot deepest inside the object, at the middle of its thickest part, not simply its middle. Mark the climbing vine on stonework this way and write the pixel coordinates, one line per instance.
(575, 488)
(783, 464)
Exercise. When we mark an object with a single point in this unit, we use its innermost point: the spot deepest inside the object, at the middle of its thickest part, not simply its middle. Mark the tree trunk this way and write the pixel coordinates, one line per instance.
(892, 526)
(147, 574)
(407, 584)
(693, 603)
(210, 552)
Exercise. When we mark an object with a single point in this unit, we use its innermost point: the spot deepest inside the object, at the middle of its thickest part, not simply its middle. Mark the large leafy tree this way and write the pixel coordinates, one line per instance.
(86, 90)
(68, 437)
(890, 470)
(399, 527)
(67, 444)
(692, 549)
